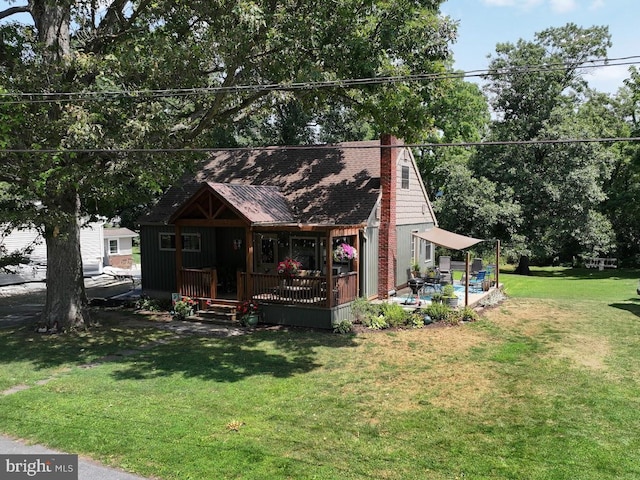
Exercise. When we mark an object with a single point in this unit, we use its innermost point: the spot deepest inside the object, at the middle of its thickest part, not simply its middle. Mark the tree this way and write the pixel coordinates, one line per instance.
(537, 93)
(623, 189)
(95, 82)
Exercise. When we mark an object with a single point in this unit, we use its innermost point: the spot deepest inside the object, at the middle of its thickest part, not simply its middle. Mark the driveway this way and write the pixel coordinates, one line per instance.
(20, 304)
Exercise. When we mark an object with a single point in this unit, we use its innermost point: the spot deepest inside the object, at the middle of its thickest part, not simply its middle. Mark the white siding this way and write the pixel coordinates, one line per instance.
(91, 248)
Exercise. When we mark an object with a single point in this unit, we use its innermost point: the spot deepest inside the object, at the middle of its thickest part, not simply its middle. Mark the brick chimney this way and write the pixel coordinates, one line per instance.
(387, 248)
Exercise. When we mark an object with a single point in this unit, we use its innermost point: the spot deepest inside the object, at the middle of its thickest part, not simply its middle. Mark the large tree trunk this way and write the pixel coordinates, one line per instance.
(523, 266)
(66, 306)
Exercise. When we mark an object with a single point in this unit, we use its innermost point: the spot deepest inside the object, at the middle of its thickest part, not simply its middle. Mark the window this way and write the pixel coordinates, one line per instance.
(405, 178)
(113, 246)
(190, 242)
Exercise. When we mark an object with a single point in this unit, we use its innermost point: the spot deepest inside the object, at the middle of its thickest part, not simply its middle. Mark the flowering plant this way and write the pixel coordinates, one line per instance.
(247, 308)
(344, 252)
(289, 267)
(183, 308)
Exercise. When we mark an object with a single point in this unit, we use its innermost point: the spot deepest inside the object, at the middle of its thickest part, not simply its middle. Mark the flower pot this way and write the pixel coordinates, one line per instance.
(251, 320)
(451, 301)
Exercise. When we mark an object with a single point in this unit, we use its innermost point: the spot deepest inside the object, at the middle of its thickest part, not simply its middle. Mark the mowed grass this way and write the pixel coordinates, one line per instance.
(545, 386)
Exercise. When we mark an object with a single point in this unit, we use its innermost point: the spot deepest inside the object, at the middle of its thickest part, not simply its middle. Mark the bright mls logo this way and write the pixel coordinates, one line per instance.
(50, 467)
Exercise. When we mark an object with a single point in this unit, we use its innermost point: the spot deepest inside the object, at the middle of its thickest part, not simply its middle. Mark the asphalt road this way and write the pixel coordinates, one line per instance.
(87, 469)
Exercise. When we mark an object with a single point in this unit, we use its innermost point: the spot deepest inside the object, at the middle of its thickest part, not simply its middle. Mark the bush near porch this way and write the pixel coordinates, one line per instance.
(543, 386)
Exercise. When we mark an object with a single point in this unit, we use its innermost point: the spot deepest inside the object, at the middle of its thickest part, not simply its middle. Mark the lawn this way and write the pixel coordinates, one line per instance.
(545, 386)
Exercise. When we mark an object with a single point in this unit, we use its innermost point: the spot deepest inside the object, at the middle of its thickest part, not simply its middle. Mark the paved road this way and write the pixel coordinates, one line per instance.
(87, 469)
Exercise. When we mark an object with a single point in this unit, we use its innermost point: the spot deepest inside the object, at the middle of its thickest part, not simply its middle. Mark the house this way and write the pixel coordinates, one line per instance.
(118, 247)
(91, 249)
(220, 233)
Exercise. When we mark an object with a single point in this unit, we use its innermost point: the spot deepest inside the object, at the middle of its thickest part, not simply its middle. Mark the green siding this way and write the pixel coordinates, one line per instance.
(159, 266)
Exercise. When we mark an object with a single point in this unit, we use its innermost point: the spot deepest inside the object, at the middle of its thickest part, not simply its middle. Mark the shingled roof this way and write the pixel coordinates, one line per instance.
(328, 184)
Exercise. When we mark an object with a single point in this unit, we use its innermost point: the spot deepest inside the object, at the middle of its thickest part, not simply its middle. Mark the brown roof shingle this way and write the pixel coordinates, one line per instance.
(337, 184)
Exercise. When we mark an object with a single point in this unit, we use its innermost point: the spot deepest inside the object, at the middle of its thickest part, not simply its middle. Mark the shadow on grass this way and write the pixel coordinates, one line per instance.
(633, 306)
(279, 353)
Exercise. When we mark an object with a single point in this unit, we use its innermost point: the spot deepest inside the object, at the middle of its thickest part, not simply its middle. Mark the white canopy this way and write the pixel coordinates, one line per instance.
(448, 239)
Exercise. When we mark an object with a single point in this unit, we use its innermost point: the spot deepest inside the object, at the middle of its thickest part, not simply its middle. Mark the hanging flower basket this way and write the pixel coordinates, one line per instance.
(344, 252)
(289, 267)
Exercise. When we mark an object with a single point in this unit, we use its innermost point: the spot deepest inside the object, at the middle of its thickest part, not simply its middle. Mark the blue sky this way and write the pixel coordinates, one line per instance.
(484, 23)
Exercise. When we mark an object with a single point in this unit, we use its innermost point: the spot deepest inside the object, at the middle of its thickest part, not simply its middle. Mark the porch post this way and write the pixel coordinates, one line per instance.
(356, 264)
(248, 278)
(466, 280)
(178, 234)
(497, 263)
(329, 246)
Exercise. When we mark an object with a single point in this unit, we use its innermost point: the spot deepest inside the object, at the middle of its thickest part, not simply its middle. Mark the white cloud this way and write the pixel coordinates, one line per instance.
(608, 79)
(557, 6)
(596, 4)
(563, 6)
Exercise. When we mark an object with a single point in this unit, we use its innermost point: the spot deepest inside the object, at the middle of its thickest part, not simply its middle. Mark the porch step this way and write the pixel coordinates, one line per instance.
(219, 313)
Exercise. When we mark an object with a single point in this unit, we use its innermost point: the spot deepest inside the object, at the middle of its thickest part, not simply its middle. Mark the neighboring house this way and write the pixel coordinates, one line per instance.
(91, 248)
(118, 247)
(221, 232)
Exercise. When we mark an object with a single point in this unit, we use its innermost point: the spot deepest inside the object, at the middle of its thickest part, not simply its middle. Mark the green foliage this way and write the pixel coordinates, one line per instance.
(437, 311)
(362, 309)
(148, 304)
(416, 320)
(468, 314)
(448, 291)
(376, 322)
(394, 314)
(537, 181)
(343, 327)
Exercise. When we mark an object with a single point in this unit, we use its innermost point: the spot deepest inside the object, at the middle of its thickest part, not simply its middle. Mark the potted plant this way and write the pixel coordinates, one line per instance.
(183, 308)
(449, 295)
(288, 267)
(436, 297)
(415, 268)
(249, 313)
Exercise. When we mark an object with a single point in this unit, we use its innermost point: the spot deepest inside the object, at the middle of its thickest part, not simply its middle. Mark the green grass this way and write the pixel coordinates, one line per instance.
(545, 386)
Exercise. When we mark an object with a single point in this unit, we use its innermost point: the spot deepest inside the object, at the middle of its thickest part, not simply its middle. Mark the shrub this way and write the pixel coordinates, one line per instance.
(362, 309)
(453, 317)
(345, 326)
(394, 314)
(448, 291)
(416, 320)
(468, 314)
(376, 322)
(437, 311)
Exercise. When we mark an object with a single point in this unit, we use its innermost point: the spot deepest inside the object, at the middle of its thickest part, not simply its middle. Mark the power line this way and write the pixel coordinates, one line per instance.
(349, 146)
(49, 97)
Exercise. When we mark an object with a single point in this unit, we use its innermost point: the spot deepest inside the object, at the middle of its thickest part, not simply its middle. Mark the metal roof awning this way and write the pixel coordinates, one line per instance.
(448, 239)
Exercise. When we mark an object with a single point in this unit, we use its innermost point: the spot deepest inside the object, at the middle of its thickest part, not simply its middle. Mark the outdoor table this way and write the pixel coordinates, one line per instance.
(433, 283)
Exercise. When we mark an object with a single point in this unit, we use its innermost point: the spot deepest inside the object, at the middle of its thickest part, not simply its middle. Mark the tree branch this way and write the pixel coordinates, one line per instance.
(14, 10)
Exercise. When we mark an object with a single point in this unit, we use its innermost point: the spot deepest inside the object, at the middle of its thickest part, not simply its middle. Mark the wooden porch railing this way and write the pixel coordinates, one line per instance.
(198, 283)
(298, 290)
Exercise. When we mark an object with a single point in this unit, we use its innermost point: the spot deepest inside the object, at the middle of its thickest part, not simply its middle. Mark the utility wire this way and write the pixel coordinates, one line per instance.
(339, 146)
(49, 97)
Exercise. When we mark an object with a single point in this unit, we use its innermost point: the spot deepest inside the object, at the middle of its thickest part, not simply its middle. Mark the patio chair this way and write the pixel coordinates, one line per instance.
(476, 265)
(475, 283)
(444, 264)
